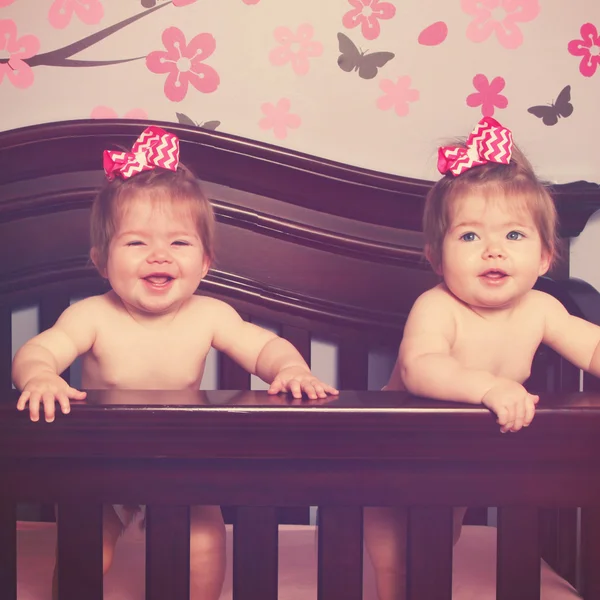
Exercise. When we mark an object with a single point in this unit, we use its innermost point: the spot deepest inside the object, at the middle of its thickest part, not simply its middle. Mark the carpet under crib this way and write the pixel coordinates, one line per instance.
(474, 568)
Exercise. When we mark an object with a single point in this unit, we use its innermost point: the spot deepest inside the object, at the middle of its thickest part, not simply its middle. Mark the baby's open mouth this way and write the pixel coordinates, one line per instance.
(494, 274)
(158, 279)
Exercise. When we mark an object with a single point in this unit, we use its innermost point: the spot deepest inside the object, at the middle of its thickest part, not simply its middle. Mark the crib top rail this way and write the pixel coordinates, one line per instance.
(242, 448)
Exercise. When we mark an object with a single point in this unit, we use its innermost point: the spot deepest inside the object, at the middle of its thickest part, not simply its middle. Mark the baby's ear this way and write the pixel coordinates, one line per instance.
(432, 260)
(95, 256)
(545, 262)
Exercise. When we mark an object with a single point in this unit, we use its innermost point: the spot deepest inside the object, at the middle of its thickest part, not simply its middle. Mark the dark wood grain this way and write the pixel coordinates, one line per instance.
(518, 559)
(167, 552)
(8, 548)
(79, 541)
(255, 554)
(340, 553)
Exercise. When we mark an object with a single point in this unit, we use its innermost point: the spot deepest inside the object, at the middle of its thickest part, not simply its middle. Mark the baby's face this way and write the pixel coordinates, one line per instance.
(491, 255)
(156, 258)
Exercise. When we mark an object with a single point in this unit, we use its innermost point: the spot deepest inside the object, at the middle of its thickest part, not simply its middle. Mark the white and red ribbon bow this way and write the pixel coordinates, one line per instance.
(489, 142)
(154, 148)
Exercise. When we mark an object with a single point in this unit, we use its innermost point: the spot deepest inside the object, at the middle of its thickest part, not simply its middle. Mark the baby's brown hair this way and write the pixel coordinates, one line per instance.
(515, 181)
(180, 188)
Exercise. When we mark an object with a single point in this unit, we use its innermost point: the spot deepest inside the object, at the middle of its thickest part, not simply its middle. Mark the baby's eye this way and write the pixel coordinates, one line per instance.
(468, 237)
(180, 243)
(135, 243)
(514, 235)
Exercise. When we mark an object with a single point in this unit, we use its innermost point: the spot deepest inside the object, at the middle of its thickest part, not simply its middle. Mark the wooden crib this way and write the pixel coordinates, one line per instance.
(318, 250)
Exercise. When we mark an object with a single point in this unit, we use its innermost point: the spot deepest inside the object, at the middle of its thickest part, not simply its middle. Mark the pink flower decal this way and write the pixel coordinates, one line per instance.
(182, 2)
(588, 47)
(488, 94)
(251, 1)
(367, 13)
(397, 95)
(501, 17)
(183, 63)
(5, 2)
(295, 48)
(278, 118)
(16, 69)
(89, 12)
(105, 112)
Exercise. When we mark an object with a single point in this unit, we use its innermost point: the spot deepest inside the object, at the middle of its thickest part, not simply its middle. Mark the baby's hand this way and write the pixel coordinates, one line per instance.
(45, 390)
(297, 380)
(512, 403)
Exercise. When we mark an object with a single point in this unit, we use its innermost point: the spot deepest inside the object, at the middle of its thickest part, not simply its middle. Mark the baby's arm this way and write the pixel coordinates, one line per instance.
(575, 339)
(427, 368)
(38, 363)
(265, 354)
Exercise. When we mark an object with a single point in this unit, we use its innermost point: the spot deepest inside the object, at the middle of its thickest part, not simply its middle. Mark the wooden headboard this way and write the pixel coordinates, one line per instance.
(307, 243)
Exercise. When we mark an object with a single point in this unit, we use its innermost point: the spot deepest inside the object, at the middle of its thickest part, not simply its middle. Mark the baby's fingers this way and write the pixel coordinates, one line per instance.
(276, 386)
(22, 401)
(530, 409)
(75, 394)
(63, 401)
(48, 399)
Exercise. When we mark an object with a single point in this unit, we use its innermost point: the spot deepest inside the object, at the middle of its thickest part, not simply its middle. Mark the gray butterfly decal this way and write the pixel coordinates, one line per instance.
(353, 59)
(550, 113)
(185, 120)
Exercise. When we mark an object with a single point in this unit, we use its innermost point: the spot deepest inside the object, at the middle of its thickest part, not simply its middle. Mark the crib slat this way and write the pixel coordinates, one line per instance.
(51, 307)
(353, 366)
(340, 553)
(476, 515)
(167, 552)
(518, 558)
(79, 528)
(590, 547)
(8, 549)
(255, 553)
(558, 541)
(300, 338)
(5, 348)
(429, 556)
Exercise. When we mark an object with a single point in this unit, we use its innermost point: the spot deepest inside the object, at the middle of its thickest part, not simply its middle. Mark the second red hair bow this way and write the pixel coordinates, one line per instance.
(154, 148)
(488, 142)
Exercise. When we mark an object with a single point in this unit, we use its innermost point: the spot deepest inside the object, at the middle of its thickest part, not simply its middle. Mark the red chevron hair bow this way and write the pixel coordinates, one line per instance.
(154, 148)
(489, 142)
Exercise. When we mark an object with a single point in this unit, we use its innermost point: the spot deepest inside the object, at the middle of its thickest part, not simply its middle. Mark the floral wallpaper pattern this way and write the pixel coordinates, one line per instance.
(369, 82)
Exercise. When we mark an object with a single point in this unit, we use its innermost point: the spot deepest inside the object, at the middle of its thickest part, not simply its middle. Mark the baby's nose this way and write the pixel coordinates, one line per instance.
(159, 254)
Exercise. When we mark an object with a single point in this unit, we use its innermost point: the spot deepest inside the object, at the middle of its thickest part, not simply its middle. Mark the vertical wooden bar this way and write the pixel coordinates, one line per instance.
(590, 552)
(476, 515)
(51, 307)
(353, 365)
(8, 548)
(5, 348)
(567, 544)
(167, 552)
(340, 553)
(255, 553)
(429, 556)
(518, 559)
(79, 527)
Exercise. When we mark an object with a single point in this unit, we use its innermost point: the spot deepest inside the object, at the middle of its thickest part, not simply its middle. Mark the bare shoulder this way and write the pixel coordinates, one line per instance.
(543, 304)
(206, 307)
(86, 309)
(436, 301)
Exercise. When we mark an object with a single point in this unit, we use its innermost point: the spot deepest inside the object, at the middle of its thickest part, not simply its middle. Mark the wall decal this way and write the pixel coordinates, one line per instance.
(353, 59)
(106, 112)
(185, 120)
(295, 48)
(19, 50)
(433, 35)
(397, 95)
(500, 17)
(550, 113)
(367, 13)
(61, 12)
(488, 94)
(183, 63)
(588, 47)
(278, 118)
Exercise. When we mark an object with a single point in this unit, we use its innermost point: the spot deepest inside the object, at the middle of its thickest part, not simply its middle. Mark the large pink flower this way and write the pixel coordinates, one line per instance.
(488, 94)
(588, 47)
(295, 48)
(367, 13)
(397, 95)
(500, 16)
(106, 112)
(278, 118)
(61, 12)
(18, 49)
(183, 63)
